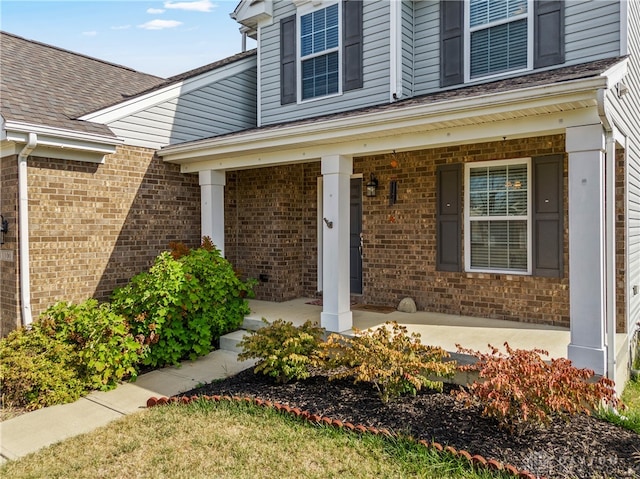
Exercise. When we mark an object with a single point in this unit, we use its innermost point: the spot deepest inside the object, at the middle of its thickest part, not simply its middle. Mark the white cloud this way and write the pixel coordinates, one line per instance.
(155, 11)
(121, 27)
(90, 34)
(195, 6)
(160, 24)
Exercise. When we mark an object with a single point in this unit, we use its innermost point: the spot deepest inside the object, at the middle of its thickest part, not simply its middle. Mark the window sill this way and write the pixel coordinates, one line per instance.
(317, 98)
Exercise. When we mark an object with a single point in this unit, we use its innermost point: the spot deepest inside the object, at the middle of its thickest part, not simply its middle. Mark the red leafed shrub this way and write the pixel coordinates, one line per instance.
(521, 389)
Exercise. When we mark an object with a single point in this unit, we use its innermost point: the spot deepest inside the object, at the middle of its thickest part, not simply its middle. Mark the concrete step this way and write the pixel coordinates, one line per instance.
(252, 323)
(229, 342)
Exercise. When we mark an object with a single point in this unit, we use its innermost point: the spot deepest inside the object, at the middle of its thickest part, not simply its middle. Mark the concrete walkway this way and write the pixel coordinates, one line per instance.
(30, 432)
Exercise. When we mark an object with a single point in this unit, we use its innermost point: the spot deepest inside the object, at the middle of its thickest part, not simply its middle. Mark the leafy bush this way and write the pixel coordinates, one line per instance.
(185, 302)
(394, 361)
(284, 350)
(522, 390)
(37, 370)
(106, 350)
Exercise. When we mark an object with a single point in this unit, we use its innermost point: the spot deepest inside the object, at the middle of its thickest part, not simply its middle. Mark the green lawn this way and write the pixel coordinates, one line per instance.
(206, 439)
(629, 417)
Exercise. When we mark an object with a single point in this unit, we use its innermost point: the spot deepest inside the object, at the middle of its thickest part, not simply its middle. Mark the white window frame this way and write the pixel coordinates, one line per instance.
(306, 9)
(468, 219)
(467, 41)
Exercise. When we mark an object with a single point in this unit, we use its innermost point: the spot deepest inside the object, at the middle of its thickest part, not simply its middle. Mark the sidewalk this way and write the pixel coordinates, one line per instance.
(33, 431)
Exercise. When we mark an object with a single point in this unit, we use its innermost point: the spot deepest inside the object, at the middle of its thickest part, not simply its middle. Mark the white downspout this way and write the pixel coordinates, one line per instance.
(395, 41)
(610, 252)
(23, 230)
(610, 227)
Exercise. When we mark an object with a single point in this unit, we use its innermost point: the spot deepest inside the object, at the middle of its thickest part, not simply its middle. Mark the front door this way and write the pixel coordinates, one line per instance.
(355, 244)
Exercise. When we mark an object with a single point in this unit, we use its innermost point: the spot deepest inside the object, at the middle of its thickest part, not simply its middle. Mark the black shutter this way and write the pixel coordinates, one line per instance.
(548, 215)
(548, 45)
(451, 42)
(352, 45)
(288, 84)
(448, 217)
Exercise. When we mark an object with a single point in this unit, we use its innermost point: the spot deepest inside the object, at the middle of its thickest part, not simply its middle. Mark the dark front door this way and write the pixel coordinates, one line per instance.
(355, 245)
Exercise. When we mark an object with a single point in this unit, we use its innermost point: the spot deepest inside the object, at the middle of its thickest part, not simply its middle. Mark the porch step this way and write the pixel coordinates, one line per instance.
(229, 342)
(252, 324)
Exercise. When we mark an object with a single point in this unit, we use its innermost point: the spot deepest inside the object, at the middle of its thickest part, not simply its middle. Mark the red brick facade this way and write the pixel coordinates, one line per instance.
(94, 226)
(9, 292)
(271, 229)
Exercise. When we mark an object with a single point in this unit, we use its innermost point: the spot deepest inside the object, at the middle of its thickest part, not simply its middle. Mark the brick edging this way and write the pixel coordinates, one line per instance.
(476, 460)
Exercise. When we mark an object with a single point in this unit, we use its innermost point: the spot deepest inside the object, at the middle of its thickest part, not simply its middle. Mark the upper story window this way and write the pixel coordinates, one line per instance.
(498, 36)
(320, 52)
(497, 216)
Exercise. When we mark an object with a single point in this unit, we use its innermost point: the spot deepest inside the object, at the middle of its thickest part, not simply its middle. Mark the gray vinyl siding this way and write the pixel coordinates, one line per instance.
(376, 59)
(407, 48)
(225, 106)
(626, 112)
(591, 30)
(426, 47)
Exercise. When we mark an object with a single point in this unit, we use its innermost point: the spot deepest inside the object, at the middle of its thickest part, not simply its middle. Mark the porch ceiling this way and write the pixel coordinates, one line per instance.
(534, 111)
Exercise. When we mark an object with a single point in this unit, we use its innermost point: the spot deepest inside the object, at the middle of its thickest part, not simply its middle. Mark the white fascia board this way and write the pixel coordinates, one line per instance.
(170, 92)
(18, 132)
(616, 73)
(382, 121)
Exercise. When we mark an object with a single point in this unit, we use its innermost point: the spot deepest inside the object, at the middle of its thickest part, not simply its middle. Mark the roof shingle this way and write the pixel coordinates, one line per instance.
(49, 86)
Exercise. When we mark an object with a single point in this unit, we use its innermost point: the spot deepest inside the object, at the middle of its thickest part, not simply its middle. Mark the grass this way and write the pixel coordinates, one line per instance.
(229, 440)
(629, 418)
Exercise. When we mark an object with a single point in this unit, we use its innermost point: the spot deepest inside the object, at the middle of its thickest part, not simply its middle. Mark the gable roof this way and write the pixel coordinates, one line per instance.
(45, 85)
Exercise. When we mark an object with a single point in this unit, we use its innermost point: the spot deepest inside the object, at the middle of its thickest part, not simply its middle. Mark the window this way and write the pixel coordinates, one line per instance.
(319, 52)
(497, 216)
(498, 35)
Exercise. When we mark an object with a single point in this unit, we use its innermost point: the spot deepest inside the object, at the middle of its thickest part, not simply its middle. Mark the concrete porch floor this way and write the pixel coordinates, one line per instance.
(436, 329)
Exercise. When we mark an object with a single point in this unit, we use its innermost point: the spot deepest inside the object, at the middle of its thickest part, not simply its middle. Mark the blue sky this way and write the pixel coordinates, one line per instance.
(162, 38)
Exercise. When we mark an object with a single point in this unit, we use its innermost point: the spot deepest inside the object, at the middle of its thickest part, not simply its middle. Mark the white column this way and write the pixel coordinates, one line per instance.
(587, 267)
(336, 310)
(212, 206)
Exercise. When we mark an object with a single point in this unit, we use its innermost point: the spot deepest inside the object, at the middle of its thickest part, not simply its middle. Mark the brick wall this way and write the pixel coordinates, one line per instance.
(93, 227)
(9, 294)
(400, 242)
(270, 217)
(621, 266)
(271, 222)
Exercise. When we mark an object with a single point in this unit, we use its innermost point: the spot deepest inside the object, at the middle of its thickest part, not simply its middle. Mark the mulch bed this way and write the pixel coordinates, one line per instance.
(584, 447)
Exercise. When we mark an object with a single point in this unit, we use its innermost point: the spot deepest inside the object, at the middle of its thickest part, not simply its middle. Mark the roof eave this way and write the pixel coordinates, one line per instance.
(372, 122)
(59, 143)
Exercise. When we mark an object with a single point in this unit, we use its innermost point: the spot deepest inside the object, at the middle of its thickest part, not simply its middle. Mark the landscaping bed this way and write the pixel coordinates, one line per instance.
(582, 447)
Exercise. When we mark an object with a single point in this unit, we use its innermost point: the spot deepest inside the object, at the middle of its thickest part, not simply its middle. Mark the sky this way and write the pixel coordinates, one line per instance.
(161, 38)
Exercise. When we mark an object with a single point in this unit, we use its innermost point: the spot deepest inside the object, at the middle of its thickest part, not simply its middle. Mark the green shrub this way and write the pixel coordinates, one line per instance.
(37, 370)
(392, 360)
(184, 303)
(284, 350)
(522, 390)
(106, 351)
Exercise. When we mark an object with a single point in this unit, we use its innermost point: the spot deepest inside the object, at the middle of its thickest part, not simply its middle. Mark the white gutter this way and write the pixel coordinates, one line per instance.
(23, 229)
